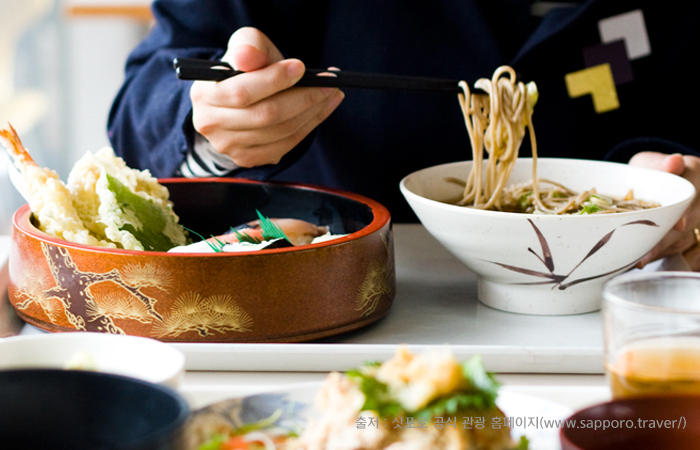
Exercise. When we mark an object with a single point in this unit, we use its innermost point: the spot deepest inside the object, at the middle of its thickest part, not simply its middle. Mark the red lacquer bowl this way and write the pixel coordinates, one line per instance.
(649, 423)
(282, 295)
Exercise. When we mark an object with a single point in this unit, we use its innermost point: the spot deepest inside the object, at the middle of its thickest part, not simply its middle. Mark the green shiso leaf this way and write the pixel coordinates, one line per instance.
(152, 217)
(481, 381)
(377, 397)
(480, 395)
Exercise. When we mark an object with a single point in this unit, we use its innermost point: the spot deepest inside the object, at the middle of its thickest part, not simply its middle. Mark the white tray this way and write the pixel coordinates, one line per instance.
(436, 304)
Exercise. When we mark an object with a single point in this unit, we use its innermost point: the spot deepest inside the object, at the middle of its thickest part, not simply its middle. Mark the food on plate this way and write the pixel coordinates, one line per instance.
(297, 232)
(104, 203)
(107, 204)
(496, 123)
(411, 401)
(260, 435)
(260, 234)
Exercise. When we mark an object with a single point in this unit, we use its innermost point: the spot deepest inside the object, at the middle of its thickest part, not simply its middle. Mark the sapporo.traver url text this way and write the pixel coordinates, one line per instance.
(517, 422)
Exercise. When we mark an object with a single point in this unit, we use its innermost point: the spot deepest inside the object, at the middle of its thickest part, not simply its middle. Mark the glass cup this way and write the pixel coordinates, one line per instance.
(651, 325)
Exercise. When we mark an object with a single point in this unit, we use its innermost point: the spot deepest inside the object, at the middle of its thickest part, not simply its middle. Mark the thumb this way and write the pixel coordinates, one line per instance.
(250, 49)
(660, 161)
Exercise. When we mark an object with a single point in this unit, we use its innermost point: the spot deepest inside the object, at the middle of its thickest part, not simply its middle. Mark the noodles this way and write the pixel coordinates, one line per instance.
(496, 123)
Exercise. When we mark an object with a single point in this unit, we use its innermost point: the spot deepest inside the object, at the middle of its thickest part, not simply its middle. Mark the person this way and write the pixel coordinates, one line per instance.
(613, 79)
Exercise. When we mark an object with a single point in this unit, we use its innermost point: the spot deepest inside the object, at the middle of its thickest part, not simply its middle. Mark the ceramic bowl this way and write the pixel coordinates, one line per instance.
(78, 410)
(650, 423)
(548, 264)
(143, 358)
(279, 295)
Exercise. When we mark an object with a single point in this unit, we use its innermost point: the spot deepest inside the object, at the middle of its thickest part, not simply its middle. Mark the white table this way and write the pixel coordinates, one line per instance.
(555, 358)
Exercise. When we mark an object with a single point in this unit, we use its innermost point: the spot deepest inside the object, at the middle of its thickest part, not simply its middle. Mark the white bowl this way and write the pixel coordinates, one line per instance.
(547, 264)
(137, 357)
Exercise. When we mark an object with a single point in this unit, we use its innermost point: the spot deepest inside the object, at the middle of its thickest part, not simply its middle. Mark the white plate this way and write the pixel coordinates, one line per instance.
(537, 418)
(297, 400)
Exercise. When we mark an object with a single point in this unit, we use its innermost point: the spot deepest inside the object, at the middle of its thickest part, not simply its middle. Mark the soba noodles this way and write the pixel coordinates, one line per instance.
(497, 123)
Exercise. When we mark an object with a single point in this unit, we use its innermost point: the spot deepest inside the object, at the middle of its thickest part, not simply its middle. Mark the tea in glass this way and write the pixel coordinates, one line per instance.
(651, 323)
(664, 366)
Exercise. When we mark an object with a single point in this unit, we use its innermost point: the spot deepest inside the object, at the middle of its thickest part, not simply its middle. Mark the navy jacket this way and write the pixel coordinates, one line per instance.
(376, 137)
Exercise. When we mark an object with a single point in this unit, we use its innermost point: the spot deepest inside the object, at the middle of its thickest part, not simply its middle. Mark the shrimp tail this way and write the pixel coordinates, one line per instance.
(20, 157)
(21, 160)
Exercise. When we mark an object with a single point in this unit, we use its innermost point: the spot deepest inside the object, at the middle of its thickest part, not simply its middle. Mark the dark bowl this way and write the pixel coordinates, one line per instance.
(281, 295)
(648, 423)
(76, 410)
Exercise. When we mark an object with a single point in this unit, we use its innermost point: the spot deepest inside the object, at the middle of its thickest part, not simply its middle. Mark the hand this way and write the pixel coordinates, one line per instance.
(253, 117)
(682, 238)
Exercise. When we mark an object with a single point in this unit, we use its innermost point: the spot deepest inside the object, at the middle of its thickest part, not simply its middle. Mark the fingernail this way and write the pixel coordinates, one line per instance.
(295, 68)
(328, 90)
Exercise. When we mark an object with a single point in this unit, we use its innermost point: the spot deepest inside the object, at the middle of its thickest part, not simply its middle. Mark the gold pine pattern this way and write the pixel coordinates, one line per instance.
(205, 315)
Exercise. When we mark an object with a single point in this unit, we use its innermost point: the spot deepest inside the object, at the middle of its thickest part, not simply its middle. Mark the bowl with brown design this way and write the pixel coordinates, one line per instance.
(291, 294)
(548, 264)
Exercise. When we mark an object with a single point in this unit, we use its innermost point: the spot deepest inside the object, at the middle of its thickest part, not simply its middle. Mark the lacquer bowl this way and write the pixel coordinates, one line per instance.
(278, 295)
(548, 264)
(648, 423)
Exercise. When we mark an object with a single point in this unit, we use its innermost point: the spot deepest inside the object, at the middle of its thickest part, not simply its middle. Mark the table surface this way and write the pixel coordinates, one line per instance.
(436, 303)
(575, 390)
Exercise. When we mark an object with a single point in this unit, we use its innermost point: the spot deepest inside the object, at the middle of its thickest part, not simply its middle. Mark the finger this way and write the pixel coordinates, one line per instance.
(246, 89)
(247, 37)
(692, 257)
(290, 134)
(691, 172)
(271, 111)
(682, 237)
(674, 164)
(676, 241)
(673, 243)
(247, 58)
(282, 130)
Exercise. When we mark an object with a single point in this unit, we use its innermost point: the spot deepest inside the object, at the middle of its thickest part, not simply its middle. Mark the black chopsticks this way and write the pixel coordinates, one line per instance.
(202, 69)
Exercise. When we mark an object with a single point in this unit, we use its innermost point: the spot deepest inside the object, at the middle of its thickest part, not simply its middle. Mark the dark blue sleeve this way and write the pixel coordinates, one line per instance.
(150, 122)
(145, 124)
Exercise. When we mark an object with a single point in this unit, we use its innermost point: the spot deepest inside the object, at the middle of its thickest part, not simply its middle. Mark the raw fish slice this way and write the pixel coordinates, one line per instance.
(299, 232)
